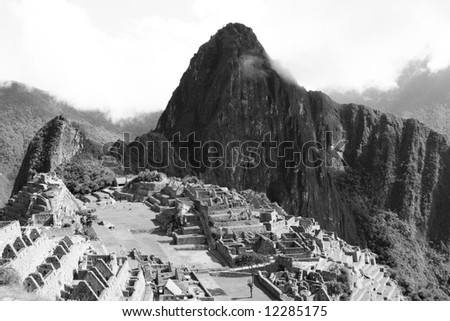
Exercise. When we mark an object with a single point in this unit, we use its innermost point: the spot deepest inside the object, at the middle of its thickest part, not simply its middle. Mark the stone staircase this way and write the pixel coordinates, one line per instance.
(375, 285)
(28, 201)
(191, 234)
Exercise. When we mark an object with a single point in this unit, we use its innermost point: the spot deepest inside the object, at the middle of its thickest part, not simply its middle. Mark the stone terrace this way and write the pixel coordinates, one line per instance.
(43, 200)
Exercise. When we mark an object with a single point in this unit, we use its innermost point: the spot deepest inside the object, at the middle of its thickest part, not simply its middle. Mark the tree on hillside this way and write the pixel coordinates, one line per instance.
(250, 259)
(9, 276)
(84, 176)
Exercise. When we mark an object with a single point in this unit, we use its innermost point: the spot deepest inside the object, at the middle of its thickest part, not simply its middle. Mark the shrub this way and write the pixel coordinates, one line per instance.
(247, 259)
(84, 176)
(9, 276)
(191, 179)
(149, 176)
(335, 288)
(216, 233)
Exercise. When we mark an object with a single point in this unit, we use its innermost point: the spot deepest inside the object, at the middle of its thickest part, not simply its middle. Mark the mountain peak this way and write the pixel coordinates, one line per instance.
(54, 144)
(237, 38)
(237, 31)
(237, 27)
(232, 62)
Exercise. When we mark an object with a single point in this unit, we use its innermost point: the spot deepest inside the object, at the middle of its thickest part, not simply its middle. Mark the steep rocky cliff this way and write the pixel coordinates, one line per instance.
(53, 145)
(393, 172)
(408, 164)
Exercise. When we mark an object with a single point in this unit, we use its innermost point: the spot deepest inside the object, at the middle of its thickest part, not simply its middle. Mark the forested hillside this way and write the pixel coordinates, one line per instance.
(24, 110)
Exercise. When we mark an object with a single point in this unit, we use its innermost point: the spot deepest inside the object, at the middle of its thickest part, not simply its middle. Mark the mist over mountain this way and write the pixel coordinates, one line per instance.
(389, 192)
(421, 94)
(24, 110)
(137, 125)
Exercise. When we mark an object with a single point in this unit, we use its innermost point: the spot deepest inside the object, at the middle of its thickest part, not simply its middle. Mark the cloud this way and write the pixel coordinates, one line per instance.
(285, 73)
(347, 44)
(59, 46)
(251, 66)
(64, 52)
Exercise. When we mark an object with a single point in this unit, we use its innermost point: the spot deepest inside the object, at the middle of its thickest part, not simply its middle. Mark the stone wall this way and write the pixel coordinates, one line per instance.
(142, 190)
(135, 286)
(64, 206)
(208, 296)
(276, 227)
(63, 274)
(82, 291)
(255, 228)
(31, 256)
(189, 239)
(272, 288)
(101, 281)
(264, 246)
(116, 284)
(224, 251)
(9, 231)
(121, 196)
(44, 194)
(42, 218)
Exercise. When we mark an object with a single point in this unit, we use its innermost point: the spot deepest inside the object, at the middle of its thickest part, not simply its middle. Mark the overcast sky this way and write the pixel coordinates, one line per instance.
(127, 56)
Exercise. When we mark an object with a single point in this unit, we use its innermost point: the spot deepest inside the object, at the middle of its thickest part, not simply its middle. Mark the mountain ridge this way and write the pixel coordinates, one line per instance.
(398, 169)
(420, 93)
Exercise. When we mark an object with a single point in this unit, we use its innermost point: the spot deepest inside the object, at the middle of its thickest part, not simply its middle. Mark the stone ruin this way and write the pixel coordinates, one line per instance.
(138, 189)
(44, 200)
(106, 277)
(170, 283)
(303, 258)
(46, 267)
(248, 222)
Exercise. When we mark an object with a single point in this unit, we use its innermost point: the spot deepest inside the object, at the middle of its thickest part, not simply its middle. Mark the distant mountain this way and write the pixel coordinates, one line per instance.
(24, 110)
(139, 124)
(421, 94)
(4, 189)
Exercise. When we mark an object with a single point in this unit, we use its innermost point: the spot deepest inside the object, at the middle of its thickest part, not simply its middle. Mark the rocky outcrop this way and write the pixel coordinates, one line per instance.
(54, 144)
